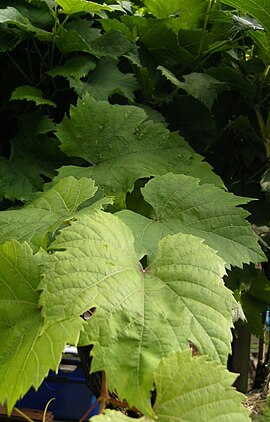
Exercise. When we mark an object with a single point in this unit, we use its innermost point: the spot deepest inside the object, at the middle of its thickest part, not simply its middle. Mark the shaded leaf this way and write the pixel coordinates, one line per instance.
(150, 313)
(12, 16)
(105, 80)
(122, 146)
(78, 67)
(182, 205)
(255, 8)
(30, 93)
(199, 85)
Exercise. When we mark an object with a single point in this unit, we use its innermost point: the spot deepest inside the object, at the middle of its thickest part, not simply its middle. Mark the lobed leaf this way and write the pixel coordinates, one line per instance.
(48, 211)
(120, 153)
(31, 93)
(148, 313)
(204, 393)
(180, 204)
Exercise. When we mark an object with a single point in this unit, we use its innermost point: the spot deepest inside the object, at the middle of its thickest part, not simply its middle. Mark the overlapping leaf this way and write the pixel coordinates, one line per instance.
(194, 389)
(148, 313)
(105, 80)
(258, 9)
(122, 146)
(27, 352)
(47, 212)
(182, 205)
(12, 16)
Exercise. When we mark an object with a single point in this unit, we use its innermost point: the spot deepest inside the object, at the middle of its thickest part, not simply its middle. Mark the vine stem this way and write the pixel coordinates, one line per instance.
(23, 415)
(206, 19)
(19, 69)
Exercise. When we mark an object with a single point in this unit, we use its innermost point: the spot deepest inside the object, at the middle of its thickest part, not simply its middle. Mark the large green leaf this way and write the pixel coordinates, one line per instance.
(259, 9)
(47, 212)
(122, 145)
(27, 351)
(182, 205)
(194, 389)
(190, 389)
(145, 312)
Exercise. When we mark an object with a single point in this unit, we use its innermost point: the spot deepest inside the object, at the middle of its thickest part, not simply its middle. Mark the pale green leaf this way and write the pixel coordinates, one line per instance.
(258, 9)
(30, 93)
(148, 313)
(169, 75)
(262, 41)
(121, 145)
(114, 416)
(27, 351)
(78, 67)
(182, 205)
(47, 212)
(69, 7)
(105, 80)
(195, 389)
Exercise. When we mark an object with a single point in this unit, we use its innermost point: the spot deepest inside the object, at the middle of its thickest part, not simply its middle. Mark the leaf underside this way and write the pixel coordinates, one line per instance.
(151, 312)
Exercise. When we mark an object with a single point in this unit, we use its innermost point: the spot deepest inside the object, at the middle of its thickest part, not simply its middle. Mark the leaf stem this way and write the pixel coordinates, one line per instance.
(22, 72)
(206, 19)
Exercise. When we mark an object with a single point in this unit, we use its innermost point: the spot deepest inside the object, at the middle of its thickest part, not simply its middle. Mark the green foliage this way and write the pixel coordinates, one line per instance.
(131, 134)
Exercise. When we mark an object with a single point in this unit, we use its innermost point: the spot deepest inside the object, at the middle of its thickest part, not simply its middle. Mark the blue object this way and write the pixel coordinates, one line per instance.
(72, 396)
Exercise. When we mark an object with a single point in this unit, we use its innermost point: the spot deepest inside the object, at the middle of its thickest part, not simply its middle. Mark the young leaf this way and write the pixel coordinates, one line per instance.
(30, 93)
(27, 351)
(148, 313)
(182, 205)
(122, 146)
(204, 393)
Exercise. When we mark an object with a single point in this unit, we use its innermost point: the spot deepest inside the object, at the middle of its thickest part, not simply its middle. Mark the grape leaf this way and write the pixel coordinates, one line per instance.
(190, 11)
(69, 7)
(23, 339)
(31, 93)
(201, 86)
(78, 67)
(122, 145)
(204, 393)
(148, 313)
(105, 80)
(182, 205)
(47, 212)
(12, 16)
